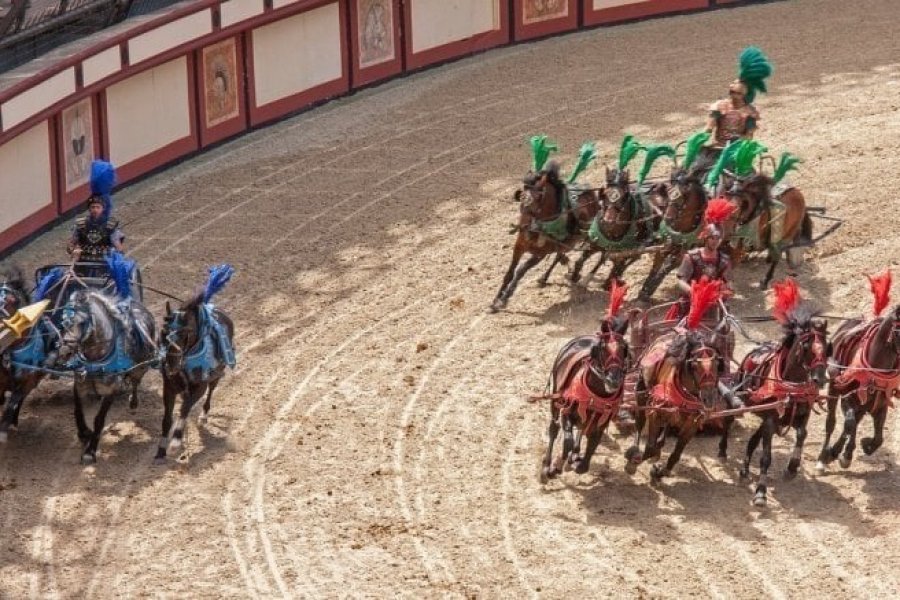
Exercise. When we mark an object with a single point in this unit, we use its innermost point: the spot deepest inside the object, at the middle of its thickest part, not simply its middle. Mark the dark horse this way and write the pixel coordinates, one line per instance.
(548, 224)
(587, 383)
(864, 374)
(109, 343)
(624, 226)
(679, 227)
(20, 368)
(788, 374)
(777, 226)
(197, 346)
(677, 388)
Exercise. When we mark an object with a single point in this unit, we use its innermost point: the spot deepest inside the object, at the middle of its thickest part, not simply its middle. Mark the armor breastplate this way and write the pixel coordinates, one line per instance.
(732, 123)
(94, 240)
(712, 270)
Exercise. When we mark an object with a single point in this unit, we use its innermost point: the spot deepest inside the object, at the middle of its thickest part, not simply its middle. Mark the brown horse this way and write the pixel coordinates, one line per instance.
(679, 227)
(677, 388)
(761, 224)
(586, 383)
(549, 223)
(624, 225)
(864, 375)
(791, 373)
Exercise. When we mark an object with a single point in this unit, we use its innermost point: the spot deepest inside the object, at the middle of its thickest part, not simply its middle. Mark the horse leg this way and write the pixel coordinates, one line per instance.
(849, 408)
(188, 399)
(871, 444)
(633, 453)
(548, 471)
(518, 250)
(89, 456)
(542, 280)
(84, 432)
(520, 272)
(825, 456)
(568, 442)
(685, 435)
(575, 456)
(575, 275)
(800, 423)
(765, 461)
(133, 399)
(584, 463)
(204, 416)
(619, 267)
(752, 443)
(169, 395)
(11, 413)
(663, 264)
(773, 260)
(723, 442)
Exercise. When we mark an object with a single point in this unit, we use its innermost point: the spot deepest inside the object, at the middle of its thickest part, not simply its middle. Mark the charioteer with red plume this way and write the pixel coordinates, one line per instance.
(708, 260)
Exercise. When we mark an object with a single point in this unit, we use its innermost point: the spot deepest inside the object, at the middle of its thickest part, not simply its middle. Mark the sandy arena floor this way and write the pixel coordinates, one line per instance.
(375, 440)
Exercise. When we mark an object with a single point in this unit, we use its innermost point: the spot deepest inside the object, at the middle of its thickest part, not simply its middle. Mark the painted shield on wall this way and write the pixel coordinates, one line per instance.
(220, 86)
(78, 143)
(536, 11)
(376, 32)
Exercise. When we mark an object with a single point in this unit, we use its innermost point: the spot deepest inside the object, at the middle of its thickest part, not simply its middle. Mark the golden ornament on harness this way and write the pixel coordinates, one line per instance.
(23, 320)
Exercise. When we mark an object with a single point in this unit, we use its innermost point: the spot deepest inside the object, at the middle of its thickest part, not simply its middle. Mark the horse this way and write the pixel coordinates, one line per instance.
(587, 383)
(548, 224)
(109, 342)
(789, 373)
(20, 368)
(780, 225)
(679, 227)
(624, 225)
(197, 346)
(677, 387)
(864, 374)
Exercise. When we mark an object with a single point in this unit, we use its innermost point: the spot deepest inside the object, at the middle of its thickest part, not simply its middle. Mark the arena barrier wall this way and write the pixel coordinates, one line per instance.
(202, 73)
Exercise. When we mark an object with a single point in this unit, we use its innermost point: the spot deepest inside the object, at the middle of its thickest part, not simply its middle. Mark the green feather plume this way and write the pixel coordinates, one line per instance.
(541, 148)
(746, 153)
(654, 152)
(585, 156)
(725, 159)
(754, 69)
(629, 149)
(787, 164)
(693, 145)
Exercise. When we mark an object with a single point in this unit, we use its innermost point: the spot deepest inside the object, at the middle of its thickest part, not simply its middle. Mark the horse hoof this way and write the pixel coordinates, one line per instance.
(868, 446)
(722, 460)
(820, 468)
(159, 460)
(3, 437)
(581, 467)
(203, 418)
(631, 467)
(844, 462)
(176, 443)
(760, 501)
(541, 283)
(789, 475)
(744, 474)
(88, 459)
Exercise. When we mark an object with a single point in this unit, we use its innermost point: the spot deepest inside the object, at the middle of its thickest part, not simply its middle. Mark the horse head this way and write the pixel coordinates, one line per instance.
(180, 332)
(750, 193)
(700, 365)
(618, 190)
(610, 355)
(87, 325)
(13, 294)
(683, 188)
(541, 196)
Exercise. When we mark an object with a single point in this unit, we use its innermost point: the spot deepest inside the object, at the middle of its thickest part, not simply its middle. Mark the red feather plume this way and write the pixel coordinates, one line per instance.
(616, 298)
(787, 297)
(881, 289)
(719, 210)
(704, 294)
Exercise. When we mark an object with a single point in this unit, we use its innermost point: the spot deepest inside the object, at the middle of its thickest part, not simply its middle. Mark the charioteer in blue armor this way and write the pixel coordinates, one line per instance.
(97, 233)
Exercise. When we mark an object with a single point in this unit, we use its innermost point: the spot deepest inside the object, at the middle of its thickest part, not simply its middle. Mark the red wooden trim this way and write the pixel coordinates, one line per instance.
(366, 75)
(289, 104)
(79, 195)
(235, 125)
(27, 226)
(543, 28)
(482, 41)
(171, 151)
(637, 11)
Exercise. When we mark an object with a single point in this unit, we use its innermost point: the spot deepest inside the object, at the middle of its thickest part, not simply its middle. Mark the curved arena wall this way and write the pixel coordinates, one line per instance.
(217, 68)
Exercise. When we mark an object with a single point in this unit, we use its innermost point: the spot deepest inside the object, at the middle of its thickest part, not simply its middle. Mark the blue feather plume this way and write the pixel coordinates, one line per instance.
(47, 283)
(120, 269)
(218, 277)
(103, 180)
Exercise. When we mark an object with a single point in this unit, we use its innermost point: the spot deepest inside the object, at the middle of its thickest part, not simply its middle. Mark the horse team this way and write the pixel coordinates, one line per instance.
(103, 338)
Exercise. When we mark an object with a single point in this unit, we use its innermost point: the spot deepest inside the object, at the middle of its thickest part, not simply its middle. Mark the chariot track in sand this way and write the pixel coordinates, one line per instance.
(375, 440)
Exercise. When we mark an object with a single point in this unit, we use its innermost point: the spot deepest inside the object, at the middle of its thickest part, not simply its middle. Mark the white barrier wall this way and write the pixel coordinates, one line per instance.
(439, 22)
(26, 175)
(148, 111)
(296, 54)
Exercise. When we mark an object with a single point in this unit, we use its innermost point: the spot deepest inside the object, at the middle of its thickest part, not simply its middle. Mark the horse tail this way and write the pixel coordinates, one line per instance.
(806, 227)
